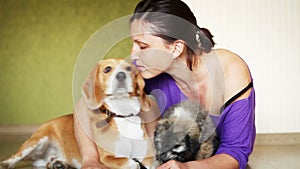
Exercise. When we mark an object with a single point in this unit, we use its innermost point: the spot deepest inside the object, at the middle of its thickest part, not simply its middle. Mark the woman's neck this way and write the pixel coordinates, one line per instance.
(181, 74)
(188, 81)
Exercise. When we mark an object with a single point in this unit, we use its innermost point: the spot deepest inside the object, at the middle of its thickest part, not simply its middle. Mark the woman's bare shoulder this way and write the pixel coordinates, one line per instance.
(236, 72)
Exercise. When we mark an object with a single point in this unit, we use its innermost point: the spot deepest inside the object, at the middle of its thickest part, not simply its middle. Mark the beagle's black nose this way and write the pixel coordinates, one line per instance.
(121, 76)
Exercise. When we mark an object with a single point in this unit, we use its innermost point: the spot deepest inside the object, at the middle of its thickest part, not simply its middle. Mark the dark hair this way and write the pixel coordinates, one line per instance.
(172, 20)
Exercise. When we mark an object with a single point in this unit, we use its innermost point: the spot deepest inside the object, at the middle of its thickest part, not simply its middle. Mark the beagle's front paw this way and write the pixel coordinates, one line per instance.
(57, 164)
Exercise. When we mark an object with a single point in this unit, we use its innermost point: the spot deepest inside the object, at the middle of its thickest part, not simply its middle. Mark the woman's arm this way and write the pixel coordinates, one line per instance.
(88, 149)
(223, 161)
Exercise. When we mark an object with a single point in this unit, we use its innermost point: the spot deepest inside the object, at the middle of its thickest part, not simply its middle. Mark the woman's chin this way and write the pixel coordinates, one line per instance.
(150, 74)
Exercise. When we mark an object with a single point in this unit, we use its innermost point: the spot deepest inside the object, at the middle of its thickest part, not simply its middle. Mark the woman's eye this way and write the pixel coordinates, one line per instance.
(107, 69)
(143, 47)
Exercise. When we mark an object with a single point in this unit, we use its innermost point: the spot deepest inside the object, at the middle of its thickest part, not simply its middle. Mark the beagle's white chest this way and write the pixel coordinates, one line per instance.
(131, 142)
(123, 106)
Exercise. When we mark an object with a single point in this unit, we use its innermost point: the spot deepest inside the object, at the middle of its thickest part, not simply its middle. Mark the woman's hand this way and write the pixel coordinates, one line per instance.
(172, 164)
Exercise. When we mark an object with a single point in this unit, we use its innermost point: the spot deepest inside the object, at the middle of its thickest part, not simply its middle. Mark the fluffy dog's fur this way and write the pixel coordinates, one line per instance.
(185, 133)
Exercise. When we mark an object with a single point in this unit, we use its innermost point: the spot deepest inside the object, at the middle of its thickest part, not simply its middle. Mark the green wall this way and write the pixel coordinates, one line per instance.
(40, 41)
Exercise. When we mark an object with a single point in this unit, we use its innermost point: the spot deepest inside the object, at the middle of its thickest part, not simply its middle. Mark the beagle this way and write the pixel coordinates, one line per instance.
(114, 98)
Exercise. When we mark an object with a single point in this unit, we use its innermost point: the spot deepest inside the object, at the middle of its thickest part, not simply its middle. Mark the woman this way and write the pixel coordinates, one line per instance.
(178, 62)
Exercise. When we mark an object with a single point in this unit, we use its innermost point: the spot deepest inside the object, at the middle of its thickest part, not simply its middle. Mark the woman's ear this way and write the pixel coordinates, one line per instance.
(178, 47)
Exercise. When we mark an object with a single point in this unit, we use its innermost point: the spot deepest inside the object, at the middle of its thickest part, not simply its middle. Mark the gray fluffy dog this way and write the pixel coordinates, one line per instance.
(185, 133)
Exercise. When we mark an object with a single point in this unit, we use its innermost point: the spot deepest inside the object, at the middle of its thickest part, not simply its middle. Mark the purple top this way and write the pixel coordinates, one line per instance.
(236, 124)
(165, 90)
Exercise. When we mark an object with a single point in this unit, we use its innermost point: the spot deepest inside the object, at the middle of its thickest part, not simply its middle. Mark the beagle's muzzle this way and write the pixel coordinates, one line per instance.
(113, 98)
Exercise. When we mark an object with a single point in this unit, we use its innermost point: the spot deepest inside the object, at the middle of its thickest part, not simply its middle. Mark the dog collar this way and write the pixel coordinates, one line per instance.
(110, 115)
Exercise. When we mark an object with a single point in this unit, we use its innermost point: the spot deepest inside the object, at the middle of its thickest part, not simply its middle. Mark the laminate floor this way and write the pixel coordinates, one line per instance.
(263, 157)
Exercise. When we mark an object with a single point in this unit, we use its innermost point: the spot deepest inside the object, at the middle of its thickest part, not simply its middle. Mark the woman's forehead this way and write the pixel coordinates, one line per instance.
(140, 28)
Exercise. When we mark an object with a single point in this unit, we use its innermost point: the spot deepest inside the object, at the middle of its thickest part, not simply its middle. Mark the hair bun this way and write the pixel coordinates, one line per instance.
(205, 39)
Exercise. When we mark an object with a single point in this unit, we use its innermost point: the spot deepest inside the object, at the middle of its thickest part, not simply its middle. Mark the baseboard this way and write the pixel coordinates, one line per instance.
(261, 139)
(17, 129)
(278, 139)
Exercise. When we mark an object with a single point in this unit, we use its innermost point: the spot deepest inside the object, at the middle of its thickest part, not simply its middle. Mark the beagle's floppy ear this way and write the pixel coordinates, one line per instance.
(145, 102)
(92, 91)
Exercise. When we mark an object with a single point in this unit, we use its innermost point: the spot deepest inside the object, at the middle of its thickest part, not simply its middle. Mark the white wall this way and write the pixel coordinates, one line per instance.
(265, 33)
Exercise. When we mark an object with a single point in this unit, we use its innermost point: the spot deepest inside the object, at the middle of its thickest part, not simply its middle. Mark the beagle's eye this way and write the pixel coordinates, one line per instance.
(107, 69)
(128, 68)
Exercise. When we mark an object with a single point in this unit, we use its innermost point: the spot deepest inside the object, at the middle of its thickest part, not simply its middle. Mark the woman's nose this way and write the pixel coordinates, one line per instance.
(133, 54)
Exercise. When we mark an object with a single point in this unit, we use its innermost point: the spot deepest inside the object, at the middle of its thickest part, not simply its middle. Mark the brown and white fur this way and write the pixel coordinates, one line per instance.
(115, 86)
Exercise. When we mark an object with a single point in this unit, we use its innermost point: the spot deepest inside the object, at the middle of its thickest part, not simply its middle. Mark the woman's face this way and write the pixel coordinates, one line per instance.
(150, 53)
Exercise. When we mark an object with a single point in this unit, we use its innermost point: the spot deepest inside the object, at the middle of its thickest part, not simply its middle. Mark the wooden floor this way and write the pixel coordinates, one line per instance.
(275, 157)
(263, 157)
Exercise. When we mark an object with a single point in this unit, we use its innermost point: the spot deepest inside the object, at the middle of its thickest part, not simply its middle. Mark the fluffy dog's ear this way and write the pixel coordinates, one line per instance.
(145, 102)
(92, 91)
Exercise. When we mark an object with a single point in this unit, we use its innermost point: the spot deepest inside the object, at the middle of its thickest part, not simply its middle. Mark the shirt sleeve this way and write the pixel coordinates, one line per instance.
(236, 130)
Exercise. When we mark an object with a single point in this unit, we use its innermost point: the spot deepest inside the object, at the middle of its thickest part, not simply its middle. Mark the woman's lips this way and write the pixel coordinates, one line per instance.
(140, 67)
